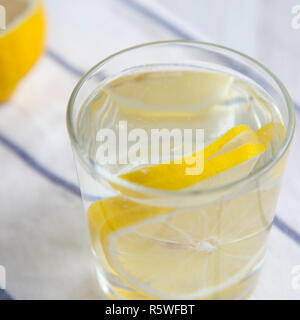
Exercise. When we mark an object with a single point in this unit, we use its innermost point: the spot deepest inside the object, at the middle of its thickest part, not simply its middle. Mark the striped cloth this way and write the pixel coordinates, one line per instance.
(44, 243)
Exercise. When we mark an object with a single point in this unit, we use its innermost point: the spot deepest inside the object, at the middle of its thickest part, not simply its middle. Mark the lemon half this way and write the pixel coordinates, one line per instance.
(21, 43)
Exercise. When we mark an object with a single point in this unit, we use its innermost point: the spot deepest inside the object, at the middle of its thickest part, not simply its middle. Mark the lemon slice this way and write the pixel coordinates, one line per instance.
(272, 135)
(184, 254)
(237, 146)
(158, 92)
(21, 43)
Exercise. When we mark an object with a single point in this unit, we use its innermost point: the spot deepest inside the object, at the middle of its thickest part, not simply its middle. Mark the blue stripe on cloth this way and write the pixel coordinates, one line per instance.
(34, 164)
(286, 229)
(4, 295)
(159, 20)
(66, 65)
(297, 106)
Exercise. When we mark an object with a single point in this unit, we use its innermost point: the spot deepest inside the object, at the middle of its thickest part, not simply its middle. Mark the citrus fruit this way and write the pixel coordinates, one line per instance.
(21, 43)
(170, 253)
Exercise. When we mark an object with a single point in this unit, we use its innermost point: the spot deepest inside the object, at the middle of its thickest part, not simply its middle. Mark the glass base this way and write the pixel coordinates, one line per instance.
(114, 288)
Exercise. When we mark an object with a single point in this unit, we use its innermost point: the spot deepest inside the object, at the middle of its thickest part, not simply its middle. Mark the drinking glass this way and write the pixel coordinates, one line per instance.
(205, 242)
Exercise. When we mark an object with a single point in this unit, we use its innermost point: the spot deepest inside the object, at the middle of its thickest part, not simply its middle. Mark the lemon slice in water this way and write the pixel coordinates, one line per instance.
(237, 146)
(183, 92)
(186, 254)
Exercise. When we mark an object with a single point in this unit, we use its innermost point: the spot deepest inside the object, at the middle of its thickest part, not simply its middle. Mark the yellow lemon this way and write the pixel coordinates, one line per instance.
(21, 43)
(272, 133)
(233, 148)
(172, 253)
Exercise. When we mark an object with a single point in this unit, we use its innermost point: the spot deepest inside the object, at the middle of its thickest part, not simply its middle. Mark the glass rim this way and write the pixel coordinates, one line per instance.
(290, 128)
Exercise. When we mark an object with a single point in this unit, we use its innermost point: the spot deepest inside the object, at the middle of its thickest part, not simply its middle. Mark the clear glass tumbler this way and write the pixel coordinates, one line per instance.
(156, 231)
